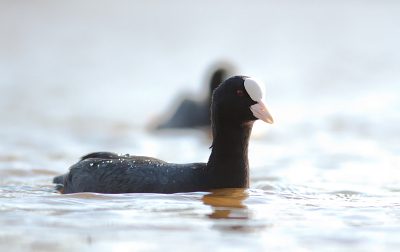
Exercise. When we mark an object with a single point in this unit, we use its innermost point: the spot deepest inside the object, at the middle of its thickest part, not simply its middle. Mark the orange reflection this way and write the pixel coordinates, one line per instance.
(225, 202)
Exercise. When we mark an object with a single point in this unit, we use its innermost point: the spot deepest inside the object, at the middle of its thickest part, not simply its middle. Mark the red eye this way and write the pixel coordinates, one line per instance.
(240, 93)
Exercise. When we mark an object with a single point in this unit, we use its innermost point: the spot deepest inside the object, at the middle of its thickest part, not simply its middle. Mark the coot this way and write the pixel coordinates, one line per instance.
(236, 104)
(194, 113)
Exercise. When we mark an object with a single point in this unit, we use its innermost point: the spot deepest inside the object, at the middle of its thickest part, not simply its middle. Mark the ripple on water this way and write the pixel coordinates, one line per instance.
(243, 215)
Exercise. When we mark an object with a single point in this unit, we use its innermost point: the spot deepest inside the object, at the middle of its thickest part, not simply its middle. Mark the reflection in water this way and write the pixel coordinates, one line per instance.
(227, 203)
(229, 211)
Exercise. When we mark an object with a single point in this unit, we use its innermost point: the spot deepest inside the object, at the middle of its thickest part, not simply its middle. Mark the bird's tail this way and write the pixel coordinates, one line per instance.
(59, 180)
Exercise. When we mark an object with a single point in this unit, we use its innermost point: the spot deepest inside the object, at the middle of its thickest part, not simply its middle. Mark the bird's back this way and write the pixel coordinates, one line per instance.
(105, 172)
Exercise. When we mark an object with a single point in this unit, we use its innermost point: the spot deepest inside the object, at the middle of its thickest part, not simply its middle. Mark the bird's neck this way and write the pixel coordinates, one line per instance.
(228, 163)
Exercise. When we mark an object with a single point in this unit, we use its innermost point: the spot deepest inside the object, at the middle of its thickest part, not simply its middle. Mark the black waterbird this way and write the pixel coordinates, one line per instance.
(236, 104)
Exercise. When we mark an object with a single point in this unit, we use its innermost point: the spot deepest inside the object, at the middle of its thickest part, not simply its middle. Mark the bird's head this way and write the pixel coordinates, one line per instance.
(240, 99)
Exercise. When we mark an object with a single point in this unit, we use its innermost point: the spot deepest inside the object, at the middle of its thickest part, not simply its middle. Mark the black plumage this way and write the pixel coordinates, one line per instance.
(227, 167)
(197, 114)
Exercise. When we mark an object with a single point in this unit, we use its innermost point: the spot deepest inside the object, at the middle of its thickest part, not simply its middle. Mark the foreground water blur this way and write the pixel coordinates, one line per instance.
(77, 77)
